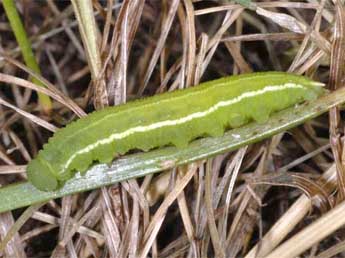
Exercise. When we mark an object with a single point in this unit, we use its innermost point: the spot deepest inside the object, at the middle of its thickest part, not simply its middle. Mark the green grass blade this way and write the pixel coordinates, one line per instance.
(141, 164)
(247, 3)
(25, 46)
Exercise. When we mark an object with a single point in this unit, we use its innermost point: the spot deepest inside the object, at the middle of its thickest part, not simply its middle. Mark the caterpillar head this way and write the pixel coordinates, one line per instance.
(41, 175)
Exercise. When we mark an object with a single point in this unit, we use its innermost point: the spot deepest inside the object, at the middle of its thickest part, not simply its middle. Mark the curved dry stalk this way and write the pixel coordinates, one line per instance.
(311, 234)
(288, 221)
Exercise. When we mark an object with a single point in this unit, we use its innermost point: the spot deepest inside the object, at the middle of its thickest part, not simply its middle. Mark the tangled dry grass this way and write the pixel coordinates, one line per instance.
(293, 204)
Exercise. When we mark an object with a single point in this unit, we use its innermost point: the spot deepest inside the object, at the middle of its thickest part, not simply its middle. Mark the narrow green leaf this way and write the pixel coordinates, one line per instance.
(25, 46)
(141, 164)
(247, 3)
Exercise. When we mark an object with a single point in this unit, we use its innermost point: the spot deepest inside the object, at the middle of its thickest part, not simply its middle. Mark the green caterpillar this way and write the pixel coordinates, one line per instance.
(170, 118)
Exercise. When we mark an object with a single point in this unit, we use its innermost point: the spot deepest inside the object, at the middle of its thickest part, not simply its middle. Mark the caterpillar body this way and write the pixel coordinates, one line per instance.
(169, 118)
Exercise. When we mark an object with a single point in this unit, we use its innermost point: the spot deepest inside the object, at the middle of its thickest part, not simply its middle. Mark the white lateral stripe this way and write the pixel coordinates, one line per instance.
(124, 134)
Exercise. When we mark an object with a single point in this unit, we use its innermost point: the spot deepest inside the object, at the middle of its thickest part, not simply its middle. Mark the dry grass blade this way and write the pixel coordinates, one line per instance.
(12, 169)
(52, 91)
(259, 4)
(54, 221)
(187, 221)
(160, 44)
(89, 32)
(31, 117)
(18, 224)
(337, 74)
(214, 234)
(64, 22)
(312, 234)
(286, 21)
(191, 42)
(14, 248)
(289, 220)
(333, 251)
(158, 218)
(267, 36)
(302, 182)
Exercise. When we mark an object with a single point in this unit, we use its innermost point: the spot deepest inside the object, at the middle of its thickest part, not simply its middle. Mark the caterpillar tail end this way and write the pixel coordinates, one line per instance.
(40, 175)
